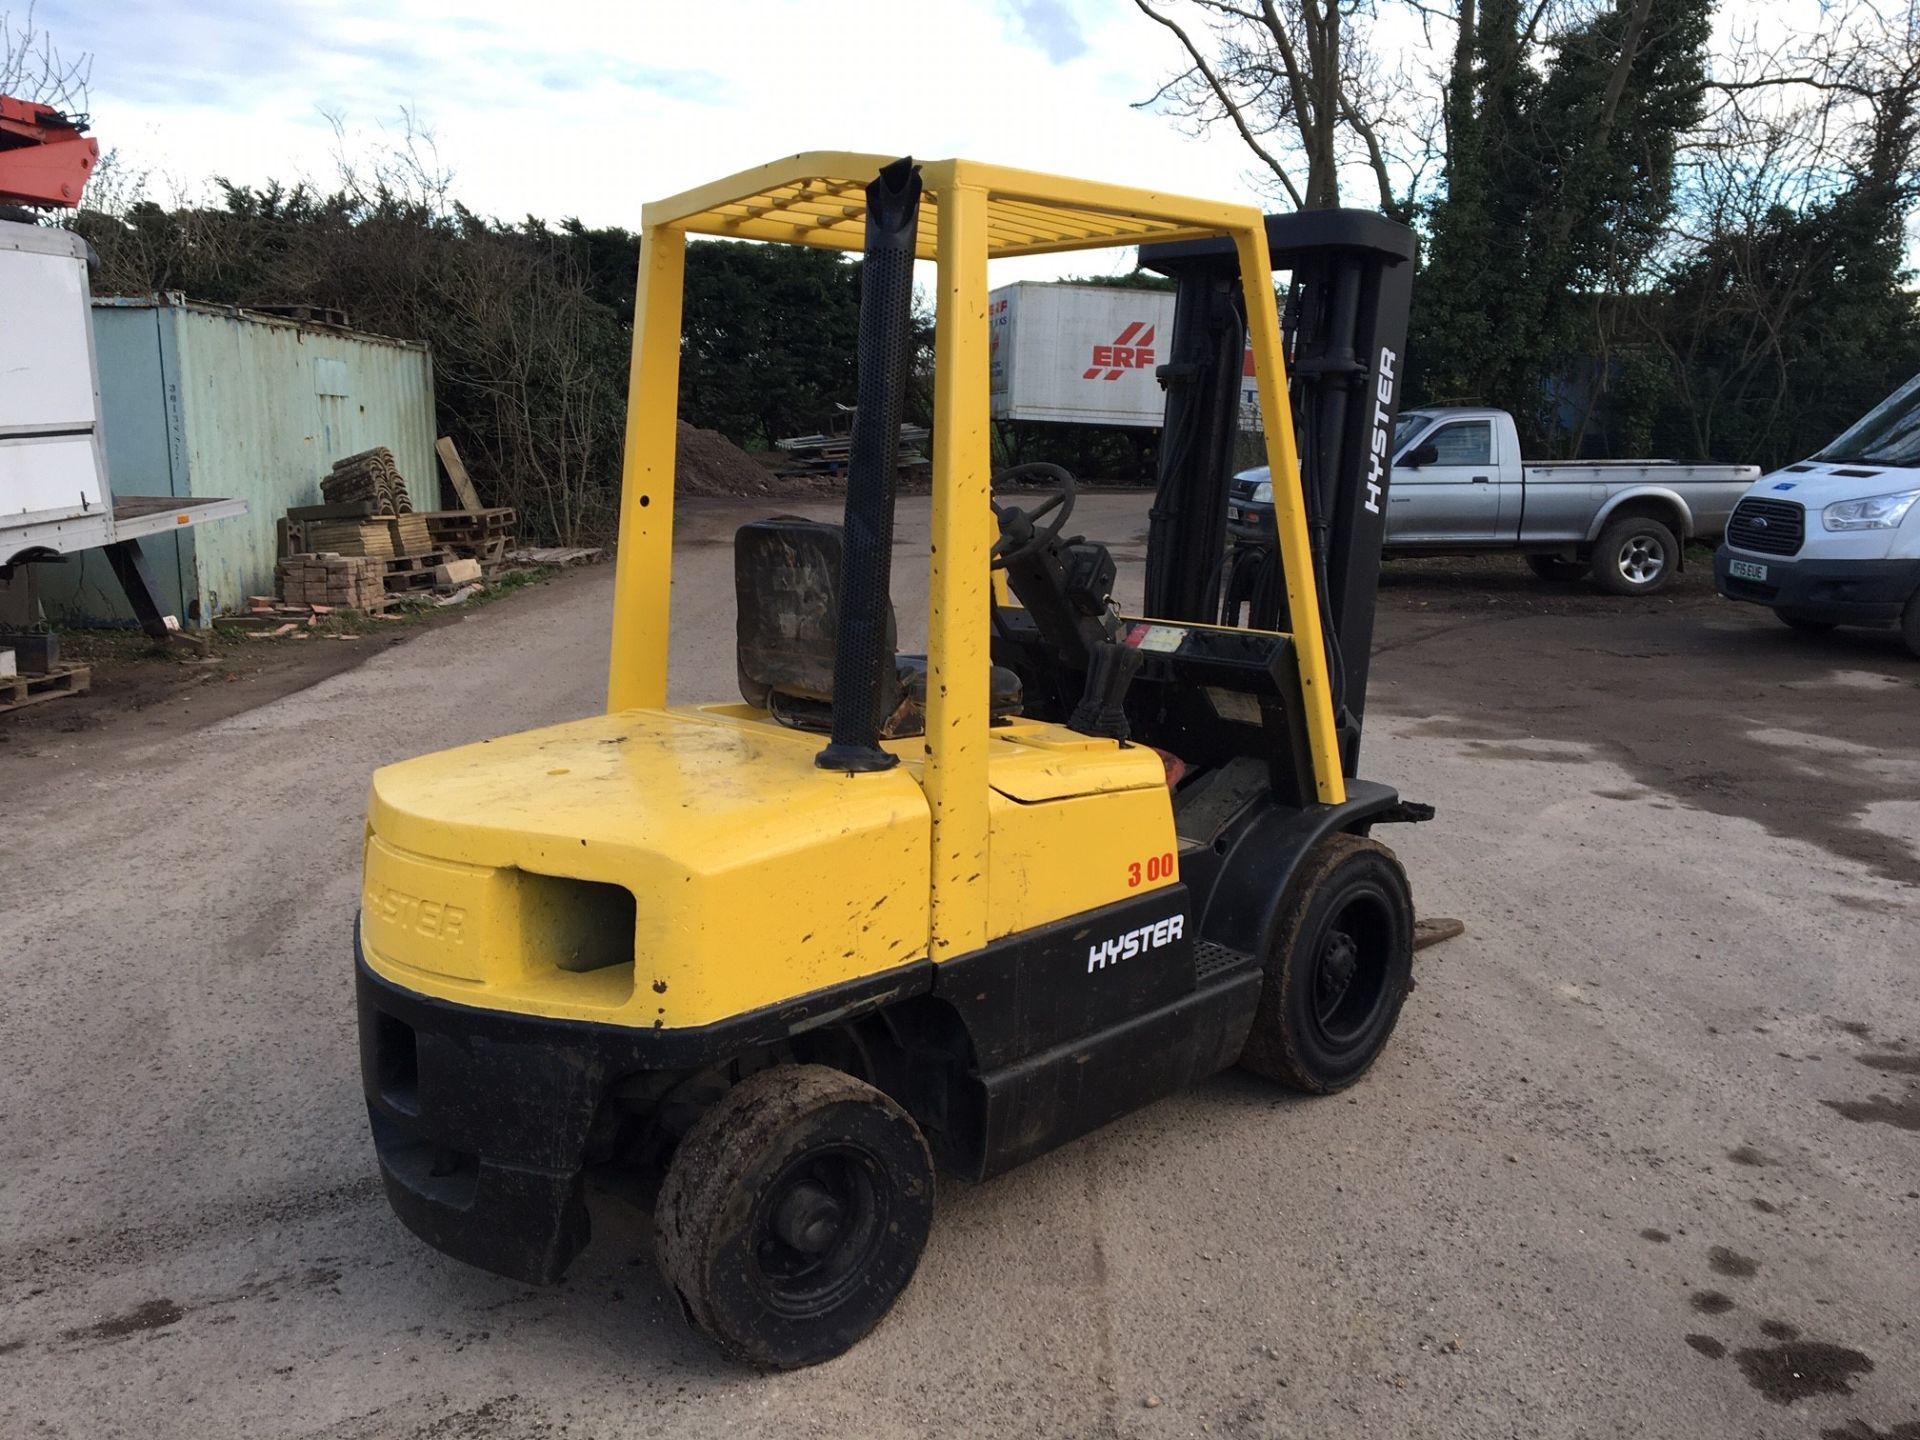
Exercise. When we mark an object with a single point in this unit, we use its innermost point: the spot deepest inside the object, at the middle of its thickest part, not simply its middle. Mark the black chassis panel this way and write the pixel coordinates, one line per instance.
(482, 1119)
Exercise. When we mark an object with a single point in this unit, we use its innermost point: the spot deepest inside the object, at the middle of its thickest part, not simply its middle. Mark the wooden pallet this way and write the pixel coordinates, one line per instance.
(403, 582)
(401, 564)
(21, 690)
(494, 516)
(490, 551)
(482, 535)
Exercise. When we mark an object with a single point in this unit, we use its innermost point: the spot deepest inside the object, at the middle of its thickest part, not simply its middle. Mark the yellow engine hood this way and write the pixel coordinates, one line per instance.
(755, 876)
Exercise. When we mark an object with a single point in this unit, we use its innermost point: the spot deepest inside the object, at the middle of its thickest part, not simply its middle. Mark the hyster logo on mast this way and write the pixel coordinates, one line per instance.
(1132, 349)
(1382, 429)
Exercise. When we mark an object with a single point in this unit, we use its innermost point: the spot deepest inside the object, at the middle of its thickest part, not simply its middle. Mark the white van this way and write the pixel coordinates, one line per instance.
(1835, 540)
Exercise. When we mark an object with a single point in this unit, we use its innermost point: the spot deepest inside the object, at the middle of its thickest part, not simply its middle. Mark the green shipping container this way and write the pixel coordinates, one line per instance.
(212, 401)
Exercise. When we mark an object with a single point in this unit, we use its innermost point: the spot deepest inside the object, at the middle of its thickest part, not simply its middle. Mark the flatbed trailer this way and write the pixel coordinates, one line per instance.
(56, 498)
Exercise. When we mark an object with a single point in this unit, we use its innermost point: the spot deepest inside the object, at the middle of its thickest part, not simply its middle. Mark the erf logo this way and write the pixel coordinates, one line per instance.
(1132, 349)
(1125, 947)
(1382, 428)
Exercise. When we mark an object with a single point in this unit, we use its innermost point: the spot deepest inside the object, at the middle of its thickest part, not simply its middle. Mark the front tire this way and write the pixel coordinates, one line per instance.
(1635, 556)
(1339, 969)
(1910, 625)
(793, 1215)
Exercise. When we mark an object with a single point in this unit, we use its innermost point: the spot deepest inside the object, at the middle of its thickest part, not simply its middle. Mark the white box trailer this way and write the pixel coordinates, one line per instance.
(1084, 355)
(55, 496)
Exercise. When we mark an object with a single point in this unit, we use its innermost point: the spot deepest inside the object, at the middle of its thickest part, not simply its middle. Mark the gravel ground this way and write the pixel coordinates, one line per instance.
(1643, 1159)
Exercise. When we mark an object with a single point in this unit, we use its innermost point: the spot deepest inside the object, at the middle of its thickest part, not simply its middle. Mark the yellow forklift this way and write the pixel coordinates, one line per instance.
(773, 961)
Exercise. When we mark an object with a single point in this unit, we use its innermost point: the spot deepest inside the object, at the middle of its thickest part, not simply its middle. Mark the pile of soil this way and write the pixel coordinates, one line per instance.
(708, 463)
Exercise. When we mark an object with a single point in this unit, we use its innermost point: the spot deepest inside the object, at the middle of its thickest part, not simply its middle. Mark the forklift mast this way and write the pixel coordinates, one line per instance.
(1344, 326)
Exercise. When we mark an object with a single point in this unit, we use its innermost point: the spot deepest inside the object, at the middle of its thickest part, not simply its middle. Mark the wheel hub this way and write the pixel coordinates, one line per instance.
(809, 1219)
(1642, 558)
(1339, 960)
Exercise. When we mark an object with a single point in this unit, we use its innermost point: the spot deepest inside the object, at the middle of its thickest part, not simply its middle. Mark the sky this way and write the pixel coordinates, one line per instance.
(560, 108)
(570, 107)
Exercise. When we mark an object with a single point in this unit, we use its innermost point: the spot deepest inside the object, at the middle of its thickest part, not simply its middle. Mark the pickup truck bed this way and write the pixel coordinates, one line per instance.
(1460, 487)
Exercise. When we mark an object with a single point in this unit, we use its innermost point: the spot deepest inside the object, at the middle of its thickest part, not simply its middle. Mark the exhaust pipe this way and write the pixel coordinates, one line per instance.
(863, 663)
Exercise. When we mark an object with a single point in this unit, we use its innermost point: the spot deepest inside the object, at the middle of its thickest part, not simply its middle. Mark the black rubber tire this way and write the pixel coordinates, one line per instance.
(717, 1238)
(1610, 559)
(1352, 887)
(1794, 620)
(1910, 625)
(1557, 567)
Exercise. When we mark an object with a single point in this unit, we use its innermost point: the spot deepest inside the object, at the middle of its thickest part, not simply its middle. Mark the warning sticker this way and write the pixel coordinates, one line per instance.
(1161, 639)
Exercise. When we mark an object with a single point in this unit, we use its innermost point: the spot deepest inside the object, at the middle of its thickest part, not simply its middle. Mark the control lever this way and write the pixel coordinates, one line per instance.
(1102, 708)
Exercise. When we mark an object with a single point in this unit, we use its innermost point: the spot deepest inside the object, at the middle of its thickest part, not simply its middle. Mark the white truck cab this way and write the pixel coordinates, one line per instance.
(1834, 540)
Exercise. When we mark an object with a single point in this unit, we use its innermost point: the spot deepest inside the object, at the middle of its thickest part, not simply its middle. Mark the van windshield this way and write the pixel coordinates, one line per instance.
(1890, 435)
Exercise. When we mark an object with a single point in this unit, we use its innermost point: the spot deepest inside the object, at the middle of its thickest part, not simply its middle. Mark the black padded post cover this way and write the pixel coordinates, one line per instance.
(864, 661)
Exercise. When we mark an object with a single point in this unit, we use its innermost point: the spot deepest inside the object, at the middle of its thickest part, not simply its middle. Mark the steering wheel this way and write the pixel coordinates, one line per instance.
(1020, 533)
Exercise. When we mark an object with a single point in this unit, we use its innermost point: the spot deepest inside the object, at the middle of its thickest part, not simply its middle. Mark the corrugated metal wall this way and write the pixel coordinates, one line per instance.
(248, 407)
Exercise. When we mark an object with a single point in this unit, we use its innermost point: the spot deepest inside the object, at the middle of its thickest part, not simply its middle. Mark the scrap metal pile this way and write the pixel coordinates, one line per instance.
(826, 454)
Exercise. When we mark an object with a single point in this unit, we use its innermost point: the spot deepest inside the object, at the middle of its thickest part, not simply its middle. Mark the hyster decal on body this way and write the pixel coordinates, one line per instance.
(1135, 942)
(1382, 428)
(430, 918)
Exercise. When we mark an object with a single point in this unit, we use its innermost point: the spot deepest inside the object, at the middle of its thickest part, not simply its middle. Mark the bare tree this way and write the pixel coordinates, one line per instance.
(1764, 150)
(32, 67)
(1797, 188)
(1295, 80)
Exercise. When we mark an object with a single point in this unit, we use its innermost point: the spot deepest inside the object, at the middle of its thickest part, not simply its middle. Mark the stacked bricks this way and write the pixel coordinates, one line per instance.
(353, 537)
(352, 582)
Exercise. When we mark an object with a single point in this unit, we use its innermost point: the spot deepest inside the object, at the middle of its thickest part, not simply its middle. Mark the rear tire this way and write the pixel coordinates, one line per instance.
(1557, 567)
(1339, 969)
(793, 1215)
(1635, 556)
(1795, 620)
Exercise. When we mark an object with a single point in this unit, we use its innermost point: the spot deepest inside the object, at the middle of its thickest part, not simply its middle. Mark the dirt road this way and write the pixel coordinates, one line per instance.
(1643, 1160)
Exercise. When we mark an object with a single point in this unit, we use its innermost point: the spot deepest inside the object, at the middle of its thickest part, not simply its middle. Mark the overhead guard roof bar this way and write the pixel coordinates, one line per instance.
(817, 199)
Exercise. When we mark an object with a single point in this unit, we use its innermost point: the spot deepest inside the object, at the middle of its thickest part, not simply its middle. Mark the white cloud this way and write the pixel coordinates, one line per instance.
(573, 107)
(581, 107)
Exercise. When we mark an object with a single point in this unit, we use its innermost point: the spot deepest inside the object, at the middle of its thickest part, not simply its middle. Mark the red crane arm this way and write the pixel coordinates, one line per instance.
(45, 157)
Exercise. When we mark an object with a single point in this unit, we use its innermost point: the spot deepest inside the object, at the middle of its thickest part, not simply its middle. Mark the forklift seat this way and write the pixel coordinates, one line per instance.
(786, 577)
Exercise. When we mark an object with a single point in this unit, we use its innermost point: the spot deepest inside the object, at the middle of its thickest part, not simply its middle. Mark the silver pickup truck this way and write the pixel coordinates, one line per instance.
(1460, 487)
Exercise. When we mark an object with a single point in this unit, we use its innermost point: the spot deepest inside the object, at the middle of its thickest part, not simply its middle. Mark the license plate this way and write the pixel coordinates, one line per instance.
(1746, 570)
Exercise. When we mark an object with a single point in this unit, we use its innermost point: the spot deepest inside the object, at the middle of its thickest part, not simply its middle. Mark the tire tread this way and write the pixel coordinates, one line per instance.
(1271, 1051)
(696, 1198)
